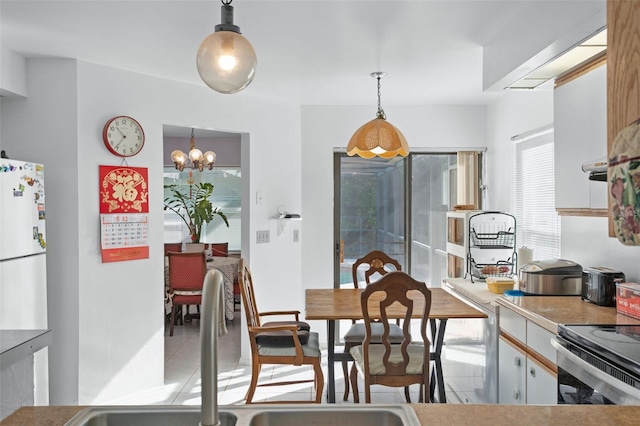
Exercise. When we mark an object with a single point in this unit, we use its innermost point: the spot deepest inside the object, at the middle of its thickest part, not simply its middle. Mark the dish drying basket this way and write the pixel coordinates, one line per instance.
(500, 239)
(501, 268)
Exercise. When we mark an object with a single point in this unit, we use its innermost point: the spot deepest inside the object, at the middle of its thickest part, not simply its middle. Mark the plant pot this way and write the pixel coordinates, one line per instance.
(191, 247)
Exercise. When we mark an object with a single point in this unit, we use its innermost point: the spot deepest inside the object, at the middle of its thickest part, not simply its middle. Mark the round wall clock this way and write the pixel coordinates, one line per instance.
(123, 136)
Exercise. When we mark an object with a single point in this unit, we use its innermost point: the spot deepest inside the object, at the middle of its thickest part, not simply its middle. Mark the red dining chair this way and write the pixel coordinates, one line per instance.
(186, 276)
(175, 247)
(218, 249)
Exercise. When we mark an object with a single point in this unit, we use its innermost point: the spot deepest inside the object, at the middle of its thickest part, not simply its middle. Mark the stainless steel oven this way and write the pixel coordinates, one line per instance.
(598, 364)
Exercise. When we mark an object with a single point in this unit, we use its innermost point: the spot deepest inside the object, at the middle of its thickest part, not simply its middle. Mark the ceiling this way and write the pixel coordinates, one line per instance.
(310, 52)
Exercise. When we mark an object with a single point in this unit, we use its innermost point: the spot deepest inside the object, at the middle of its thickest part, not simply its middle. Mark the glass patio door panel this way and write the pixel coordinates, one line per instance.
(433, 193)
(373, 212)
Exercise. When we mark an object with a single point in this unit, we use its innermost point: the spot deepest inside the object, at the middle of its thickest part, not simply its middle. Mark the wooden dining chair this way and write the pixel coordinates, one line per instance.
(279, 343)
(186, 277)
(376, 262)
(386, 363)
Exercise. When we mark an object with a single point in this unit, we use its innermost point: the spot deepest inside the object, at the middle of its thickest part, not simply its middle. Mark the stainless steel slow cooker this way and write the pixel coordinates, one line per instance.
(551, 277)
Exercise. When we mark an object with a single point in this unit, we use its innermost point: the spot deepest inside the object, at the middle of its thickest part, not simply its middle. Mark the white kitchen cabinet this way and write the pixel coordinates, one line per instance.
(525, 358)
(511, 373)
(580, 136)
(541, 384)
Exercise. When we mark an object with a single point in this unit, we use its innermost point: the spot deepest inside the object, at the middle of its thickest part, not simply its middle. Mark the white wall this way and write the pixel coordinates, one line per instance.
(584, 240)
(42, 128)
(513, 114)
(327, 127)
(13, 75)
(108, 319)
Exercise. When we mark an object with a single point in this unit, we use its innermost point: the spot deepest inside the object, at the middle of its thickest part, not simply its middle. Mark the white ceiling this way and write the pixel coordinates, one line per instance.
(309, 52)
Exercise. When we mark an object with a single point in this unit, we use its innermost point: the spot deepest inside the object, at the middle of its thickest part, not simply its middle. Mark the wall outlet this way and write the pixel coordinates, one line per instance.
(296, 235)
(262, 237)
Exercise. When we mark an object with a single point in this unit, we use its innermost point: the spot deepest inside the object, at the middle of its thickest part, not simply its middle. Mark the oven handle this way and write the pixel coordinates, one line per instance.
(626, 392)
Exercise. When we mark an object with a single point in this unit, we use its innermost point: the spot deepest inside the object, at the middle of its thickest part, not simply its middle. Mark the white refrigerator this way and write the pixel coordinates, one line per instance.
(23, 265)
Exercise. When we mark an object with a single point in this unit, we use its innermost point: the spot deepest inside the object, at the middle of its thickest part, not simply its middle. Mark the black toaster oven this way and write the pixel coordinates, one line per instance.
(599, 285)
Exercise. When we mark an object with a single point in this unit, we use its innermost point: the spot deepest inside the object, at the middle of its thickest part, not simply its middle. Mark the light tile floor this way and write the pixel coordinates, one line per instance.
(182, 375)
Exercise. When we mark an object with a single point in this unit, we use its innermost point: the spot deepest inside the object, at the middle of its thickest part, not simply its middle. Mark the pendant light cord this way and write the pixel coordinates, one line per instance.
(380, 113)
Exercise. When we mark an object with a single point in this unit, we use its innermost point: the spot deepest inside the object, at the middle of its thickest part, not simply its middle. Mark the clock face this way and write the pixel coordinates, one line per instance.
(123, 136)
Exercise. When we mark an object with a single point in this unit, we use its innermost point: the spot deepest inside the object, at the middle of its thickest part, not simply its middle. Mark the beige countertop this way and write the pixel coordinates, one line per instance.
(549, 311)
(429, 414)
(477, 292)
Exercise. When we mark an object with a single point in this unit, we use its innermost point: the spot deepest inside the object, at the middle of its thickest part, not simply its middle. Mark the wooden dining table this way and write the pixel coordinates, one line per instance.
(344, 304)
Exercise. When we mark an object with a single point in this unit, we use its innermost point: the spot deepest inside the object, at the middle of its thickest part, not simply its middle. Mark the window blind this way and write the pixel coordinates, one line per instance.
(537, 222)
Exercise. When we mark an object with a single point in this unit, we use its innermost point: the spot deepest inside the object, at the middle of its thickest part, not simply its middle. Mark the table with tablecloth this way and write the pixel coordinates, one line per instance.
(229, 268)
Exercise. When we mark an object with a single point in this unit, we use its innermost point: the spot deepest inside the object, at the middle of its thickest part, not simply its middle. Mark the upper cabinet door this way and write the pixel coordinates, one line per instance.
(623, 59)
(580, 128)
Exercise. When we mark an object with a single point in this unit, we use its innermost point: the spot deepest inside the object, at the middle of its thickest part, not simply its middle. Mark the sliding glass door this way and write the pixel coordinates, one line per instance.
(395, 205)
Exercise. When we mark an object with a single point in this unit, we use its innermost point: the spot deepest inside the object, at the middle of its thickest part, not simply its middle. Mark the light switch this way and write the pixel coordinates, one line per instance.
(262, 237)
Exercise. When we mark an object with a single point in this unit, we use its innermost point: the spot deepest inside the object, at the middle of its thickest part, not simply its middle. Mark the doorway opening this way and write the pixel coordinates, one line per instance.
(226, 178)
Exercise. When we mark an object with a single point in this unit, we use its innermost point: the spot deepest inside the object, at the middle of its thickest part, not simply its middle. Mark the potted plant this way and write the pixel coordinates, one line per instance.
(194, 208)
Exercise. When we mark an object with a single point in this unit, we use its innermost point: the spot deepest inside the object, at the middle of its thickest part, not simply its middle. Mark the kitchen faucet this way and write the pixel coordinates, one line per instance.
(212, 325)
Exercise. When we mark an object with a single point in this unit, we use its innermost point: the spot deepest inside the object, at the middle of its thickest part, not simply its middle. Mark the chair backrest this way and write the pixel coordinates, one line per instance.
(187, 270)
(396, 294)
(175, 247)
(219, 249)
(378, 261)
(248, 297)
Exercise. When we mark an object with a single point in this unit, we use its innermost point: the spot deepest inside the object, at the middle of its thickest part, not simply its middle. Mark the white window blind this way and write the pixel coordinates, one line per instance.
(537, 222)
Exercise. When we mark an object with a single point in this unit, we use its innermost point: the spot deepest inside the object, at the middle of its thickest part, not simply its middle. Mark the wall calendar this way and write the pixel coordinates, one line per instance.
(124, 213)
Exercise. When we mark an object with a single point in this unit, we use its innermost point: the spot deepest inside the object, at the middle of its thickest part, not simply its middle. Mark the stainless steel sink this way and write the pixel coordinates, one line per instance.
(336, 416)
(250, 415)
(145, 416)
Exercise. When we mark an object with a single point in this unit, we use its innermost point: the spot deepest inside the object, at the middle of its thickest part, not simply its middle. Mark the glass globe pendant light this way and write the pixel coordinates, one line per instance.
(226, 60)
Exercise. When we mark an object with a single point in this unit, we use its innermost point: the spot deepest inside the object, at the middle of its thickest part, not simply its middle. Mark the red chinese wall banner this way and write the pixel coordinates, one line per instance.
(124, 189)
(124, 213)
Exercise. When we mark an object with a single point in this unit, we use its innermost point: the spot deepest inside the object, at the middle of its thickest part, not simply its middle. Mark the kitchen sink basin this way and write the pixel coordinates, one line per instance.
(250, 415)
(334, 416)
(145, 416)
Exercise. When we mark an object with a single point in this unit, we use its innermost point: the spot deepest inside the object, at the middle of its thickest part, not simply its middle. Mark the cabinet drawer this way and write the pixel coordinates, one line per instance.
(539, 340)
(513, 324)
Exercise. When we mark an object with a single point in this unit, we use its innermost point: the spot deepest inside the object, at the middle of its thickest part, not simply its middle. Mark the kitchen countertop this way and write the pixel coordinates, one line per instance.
(550, 311)
(476, 291)
(450, 415)
(16, 345)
